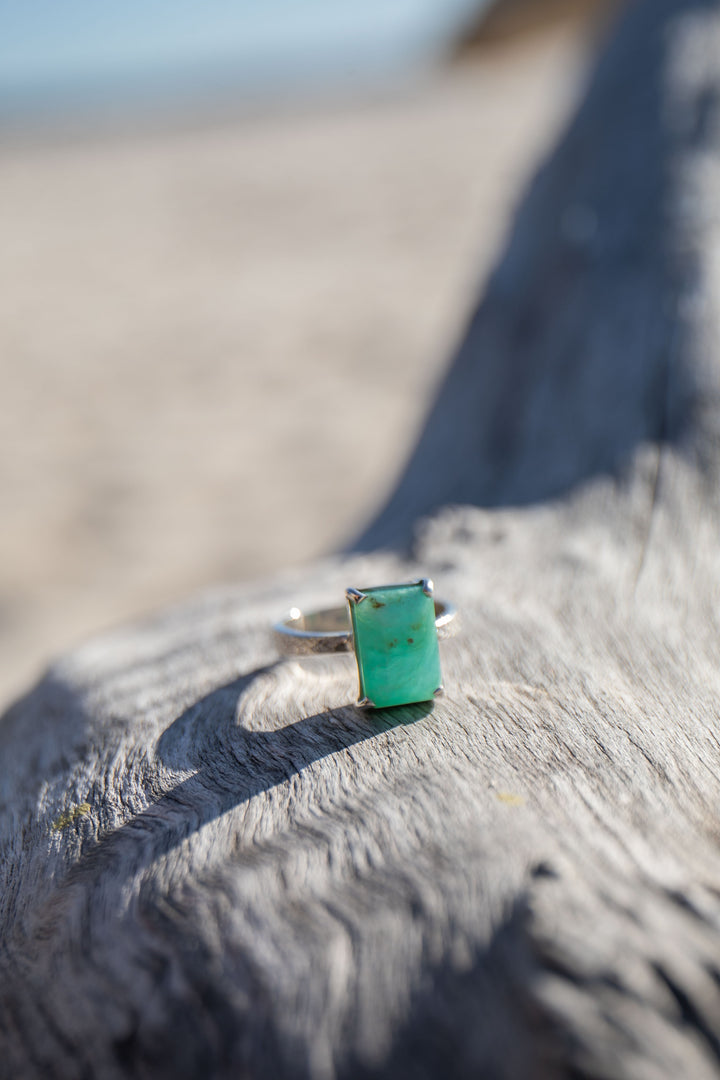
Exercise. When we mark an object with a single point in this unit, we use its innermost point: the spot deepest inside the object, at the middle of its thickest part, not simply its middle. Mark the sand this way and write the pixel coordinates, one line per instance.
(218, 341)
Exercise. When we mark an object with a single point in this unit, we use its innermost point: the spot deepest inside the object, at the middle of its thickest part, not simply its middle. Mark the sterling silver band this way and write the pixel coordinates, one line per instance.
(328, 631)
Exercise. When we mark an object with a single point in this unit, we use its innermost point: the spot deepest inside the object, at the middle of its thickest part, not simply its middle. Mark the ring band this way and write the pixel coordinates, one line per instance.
(393, 630)
(329, 631)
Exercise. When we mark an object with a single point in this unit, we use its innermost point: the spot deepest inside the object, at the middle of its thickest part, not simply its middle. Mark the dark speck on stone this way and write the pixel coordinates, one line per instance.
(544, 869)
(410, 640)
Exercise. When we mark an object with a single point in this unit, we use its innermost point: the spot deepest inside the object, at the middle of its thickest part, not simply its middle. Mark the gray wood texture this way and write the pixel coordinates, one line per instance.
(212, 865)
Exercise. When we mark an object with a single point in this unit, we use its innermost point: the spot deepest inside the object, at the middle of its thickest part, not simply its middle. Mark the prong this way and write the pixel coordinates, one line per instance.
(365, 703)
(427, 586)
(355, 596)
(439, 692)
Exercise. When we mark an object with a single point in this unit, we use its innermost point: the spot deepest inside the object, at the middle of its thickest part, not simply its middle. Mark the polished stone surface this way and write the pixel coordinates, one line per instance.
(396, 645)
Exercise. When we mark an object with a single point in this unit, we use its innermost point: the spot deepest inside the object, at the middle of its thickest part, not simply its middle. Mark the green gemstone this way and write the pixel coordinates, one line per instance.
(396, 645)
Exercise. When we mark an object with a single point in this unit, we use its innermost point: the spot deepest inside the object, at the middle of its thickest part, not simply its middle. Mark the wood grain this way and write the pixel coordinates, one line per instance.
(213, 865)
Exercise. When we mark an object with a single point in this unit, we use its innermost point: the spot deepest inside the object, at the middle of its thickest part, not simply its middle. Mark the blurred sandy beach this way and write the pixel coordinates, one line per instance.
(218, 341)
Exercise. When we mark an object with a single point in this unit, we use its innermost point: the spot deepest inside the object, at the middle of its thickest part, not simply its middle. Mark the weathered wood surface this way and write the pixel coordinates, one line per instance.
(213, 866)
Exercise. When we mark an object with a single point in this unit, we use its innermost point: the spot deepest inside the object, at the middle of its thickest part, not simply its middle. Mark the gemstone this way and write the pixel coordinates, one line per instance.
(396, 644)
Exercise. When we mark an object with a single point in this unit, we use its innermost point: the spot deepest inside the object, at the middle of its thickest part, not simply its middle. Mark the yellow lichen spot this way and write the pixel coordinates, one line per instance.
(509, 799)
(69, 817)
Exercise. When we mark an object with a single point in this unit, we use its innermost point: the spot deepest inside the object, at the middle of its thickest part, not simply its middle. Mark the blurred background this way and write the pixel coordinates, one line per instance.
(239, 244)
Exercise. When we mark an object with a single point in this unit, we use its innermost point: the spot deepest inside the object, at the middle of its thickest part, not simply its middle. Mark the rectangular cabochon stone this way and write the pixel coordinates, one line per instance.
(396, 645)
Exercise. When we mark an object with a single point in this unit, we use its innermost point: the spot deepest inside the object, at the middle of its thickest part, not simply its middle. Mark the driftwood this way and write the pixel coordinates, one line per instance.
(212, 865)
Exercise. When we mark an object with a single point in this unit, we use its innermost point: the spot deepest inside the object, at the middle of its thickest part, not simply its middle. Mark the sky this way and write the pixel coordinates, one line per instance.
(82, 51)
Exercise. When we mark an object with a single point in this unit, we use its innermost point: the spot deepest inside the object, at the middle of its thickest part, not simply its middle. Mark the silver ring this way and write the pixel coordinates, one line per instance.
(393, 631)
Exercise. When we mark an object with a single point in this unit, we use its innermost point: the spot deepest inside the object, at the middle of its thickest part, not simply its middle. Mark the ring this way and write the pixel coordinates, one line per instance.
(393, 631)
